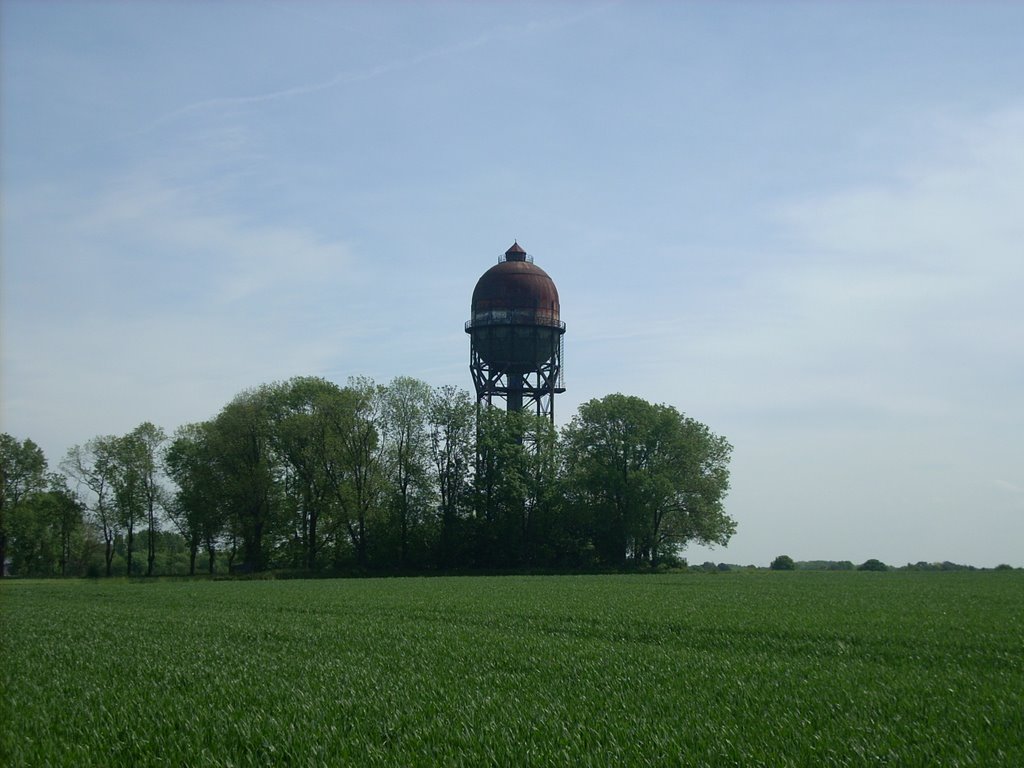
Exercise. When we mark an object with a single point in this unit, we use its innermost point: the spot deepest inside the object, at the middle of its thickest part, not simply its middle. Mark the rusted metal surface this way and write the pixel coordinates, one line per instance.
(517, 286)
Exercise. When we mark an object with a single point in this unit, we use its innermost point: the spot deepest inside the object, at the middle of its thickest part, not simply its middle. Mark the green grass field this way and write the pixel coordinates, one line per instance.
(744, 669)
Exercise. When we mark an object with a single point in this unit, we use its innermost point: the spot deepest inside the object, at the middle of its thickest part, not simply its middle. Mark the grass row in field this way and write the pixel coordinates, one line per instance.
(747, 669)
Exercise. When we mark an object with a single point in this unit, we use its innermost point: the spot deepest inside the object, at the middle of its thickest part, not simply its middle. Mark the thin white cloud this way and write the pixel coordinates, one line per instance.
(344, 77)
(220, 102)
(1014, 488)
(227, 258)
(917, 272)
(161, 310)
(884, 353)
(359, 75)
(939, 209)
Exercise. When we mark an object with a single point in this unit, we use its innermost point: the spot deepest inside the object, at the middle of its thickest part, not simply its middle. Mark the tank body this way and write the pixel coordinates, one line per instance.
(515, 316)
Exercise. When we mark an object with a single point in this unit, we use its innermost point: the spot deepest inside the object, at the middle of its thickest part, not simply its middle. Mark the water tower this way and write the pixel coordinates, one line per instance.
(516, 335)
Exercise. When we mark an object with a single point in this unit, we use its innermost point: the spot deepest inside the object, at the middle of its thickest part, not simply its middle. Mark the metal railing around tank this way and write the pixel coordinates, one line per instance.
(515, 317)
(526, 257)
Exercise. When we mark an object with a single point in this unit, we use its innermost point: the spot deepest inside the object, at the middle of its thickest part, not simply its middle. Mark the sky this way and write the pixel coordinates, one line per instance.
(799, 223)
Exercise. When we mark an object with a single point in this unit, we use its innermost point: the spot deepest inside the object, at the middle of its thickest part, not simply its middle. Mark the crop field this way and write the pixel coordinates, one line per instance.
(742, 669)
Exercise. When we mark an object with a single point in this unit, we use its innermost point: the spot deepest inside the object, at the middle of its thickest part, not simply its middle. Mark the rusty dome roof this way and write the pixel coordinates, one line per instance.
(516, 283)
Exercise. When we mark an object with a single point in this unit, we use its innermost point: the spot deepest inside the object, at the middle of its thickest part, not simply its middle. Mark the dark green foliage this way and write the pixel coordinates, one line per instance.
(196, 507)
(825, 565)
(651, 478)
(93, 468)
(313, 478)
(783, 563)
(135, 483)
(22, 475)
(451, 420)
(47, 533)
(245, 466)
(945, 565)
(840, 565)
(314, 426)
(872, 565)
(409, 497)
(42, 529)
(514, 489)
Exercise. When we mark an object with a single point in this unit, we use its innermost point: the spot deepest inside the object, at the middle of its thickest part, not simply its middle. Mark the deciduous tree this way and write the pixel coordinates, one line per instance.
(145, 446)
(22, 473)
(356, 475)
(310, 419)
(404, 408)
(452, 425)
(196, 507)
(129, 482)
(652, 478)
(94, 466)
(46, 530)
(241, 447)
(783, 563)
(515, 472)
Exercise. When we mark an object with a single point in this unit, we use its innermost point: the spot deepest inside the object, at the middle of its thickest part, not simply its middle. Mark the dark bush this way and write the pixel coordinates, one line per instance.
(873, 565)
(783, 563)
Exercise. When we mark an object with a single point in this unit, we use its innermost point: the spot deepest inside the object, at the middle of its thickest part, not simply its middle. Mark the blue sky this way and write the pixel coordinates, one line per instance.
(800, 223)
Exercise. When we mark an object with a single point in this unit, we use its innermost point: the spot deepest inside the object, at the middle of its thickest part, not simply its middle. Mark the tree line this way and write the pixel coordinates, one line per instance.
(314, 477)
